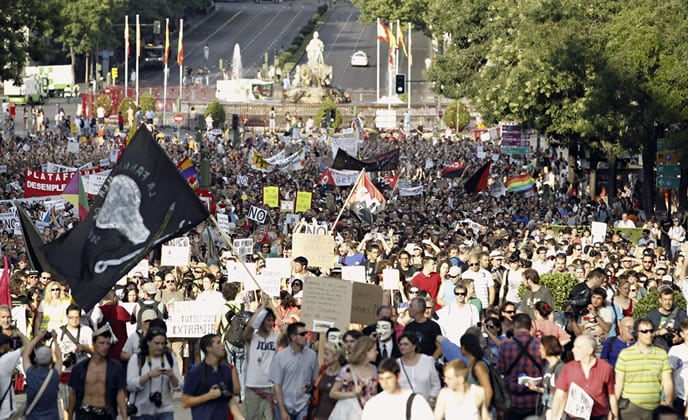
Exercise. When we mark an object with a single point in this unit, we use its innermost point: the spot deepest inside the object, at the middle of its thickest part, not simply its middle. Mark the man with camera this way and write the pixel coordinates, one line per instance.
(98, 385)
(209, 385)
(666, 319)
(152, 376)
(10, 356)
(75, 342)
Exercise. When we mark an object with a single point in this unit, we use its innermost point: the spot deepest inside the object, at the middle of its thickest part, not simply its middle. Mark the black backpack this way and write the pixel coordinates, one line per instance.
(155, 306)
(235, 331)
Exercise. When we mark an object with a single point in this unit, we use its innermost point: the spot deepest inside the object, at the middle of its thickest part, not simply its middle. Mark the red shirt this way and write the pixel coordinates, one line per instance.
(118, 317)
(599, 384)
(430, 284)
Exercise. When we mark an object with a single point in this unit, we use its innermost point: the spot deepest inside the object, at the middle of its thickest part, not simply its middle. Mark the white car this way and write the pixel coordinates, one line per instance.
(359, 59)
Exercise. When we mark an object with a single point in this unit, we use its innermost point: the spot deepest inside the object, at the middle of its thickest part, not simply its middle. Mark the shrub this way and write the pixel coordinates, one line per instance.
(105, 102)
(147, 102)
(126, 104)
(559, 284)
(298, 40)
(218, 113)
(328, 104)
(651, 301)
(322, 9)
(449, 117)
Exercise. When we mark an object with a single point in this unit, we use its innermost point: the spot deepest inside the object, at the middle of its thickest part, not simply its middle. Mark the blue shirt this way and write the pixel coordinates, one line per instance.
(611, 349)
(46, 409)
(199, 380)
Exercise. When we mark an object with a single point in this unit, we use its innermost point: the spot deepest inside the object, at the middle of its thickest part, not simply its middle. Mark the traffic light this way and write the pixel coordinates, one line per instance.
(235, 121)
(156, 27)
(332, 114)
(115, 72)
(400, 84)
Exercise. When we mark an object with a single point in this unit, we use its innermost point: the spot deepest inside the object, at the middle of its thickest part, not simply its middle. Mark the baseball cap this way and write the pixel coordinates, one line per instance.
(496, 254)
(148, 315)
(454, 271)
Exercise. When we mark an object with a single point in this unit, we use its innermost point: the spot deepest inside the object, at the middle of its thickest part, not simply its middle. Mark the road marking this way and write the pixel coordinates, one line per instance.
(205, 41)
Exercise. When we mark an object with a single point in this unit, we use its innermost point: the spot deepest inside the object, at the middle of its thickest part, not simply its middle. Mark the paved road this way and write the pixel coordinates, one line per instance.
(268, 27)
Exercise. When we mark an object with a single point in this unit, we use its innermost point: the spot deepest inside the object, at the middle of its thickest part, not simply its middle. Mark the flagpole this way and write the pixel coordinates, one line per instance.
(138, 52)
(228, 240)
(166, 71)
(390, 76)
(347, 200)
(408, 79)
(396, 50)
(377, 79)
(180, 63)
(126, 56)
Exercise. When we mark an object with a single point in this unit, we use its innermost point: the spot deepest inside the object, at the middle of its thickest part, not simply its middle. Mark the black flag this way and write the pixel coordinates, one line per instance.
(385, 162)
(32, 239)
(144, 202)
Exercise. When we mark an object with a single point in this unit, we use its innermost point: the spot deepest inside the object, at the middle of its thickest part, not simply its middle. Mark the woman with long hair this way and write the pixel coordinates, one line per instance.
(506, 315)
(333, 358)
(460, 400)
(550, 352)
(52, 310)
(358, 379)
(287, 311)
(544, 324)
(130, 293)
(418, 371)
(478, 373)
(152, 377)
(623, 304)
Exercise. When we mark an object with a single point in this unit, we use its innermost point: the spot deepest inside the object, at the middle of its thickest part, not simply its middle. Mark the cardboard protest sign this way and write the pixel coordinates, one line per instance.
(303, 201)
(318, 249)
(191, 319)
(366, 299)
(176, 253)
(271, 196)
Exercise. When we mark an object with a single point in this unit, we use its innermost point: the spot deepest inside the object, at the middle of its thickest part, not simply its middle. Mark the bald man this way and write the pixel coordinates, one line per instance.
(594, 376)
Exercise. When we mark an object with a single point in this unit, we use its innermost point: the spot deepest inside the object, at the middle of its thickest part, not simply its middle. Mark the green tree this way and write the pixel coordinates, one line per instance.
(146, 102)
(22, 25)
(105, 102)
(450, 118)
(217, 111)
(413, 11)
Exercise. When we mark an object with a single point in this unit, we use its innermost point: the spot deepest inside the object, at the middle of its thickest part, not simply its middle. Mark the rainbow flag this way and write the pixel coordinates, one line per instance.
(190, 173)
(519, 183)
(75, 194)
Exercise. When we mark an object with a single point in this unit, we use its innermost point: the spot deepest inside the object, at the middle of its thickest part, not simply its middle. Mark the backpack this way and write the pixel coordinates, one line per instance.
(237, 325)
(501, 394)
(155, 306)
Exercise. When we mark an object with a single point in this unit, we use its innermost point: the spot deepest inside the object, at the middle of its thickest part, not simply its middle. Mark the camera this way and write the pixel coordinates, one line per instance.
(69, 360)
(308, 388)
(578, 305)
(132, 410)
(156, 398)
(226, 393)
(48, 335)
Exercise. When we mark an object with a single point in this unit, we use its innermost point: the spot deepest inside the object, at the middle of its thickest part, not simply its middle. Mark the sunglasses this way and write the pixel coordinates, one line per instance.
(302, 334)
(509, 312)
(472, 264)
(414, 291)
(138, 277)
(55, 290)
(46, 278)
(650, 330)
(459, 293)
(490, 326)
(169, 281)
(634, 290)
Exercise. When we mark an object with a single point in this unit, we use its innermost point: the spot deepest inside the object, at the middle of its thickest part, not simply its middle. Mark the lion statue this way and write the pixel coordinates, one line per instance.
(324, 75)
(305, 75)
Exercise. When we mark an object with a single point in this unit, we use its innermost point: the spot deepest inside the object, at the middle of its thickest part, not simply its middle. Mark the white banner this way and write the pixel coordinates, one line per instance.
(349, 145)
(257, 214)
(410, 192)
(344, 178)
(223, 221)
(243, 246)
(176, 252)
(242, 180)
(93, 182)
(191, 319)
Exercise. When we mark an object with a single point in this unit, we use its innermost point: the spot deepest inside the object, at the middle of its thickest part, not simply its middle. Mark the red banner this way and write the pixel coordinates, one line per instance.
(41, 184)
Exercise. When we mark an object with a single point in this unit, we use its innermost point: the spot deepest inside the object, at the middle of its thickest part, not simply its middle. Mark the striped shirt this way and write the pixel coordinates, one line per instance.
(642, 383)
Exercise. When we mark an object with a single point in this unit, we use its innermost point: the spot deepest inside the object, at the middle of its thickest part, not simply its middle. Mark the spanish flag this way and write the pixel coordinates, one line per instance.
(190, 173)
(180, 45)
(167, 41)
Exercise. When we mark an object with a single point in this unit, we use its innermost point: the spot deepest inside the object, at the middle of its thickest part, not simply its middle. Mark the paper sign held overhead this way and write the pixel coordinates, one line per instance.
(318, 249)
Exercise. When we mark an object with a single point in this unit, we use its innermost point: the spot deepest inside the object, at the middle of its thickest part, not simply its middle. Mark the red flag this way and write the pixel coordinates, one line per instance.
(365, 199)
(167, 41)
(478, 182)
(180, 45)
(5, 297)
(382, 31)
(454, 170)
(126, 39)
(326, 178)
(391, 181)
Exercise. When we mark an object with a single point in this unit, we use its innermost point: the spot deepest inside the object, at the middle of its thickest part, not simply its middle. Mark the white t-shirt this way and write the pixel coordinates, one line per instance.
(393, 407)
(482, 280)
(678, 358)
(8, 362)
(67, 345)
(261, 351)
(454, 321)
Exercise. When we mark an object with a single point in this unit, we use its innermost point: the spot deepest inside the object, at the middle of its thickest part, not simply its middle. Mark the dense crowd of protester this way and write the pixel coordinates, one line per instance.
(470, 305)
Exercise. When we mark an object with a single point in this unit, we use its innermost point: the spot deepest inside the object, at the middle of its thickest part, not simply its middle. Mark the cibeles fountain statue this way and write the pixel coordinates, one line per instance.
(312, 82)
